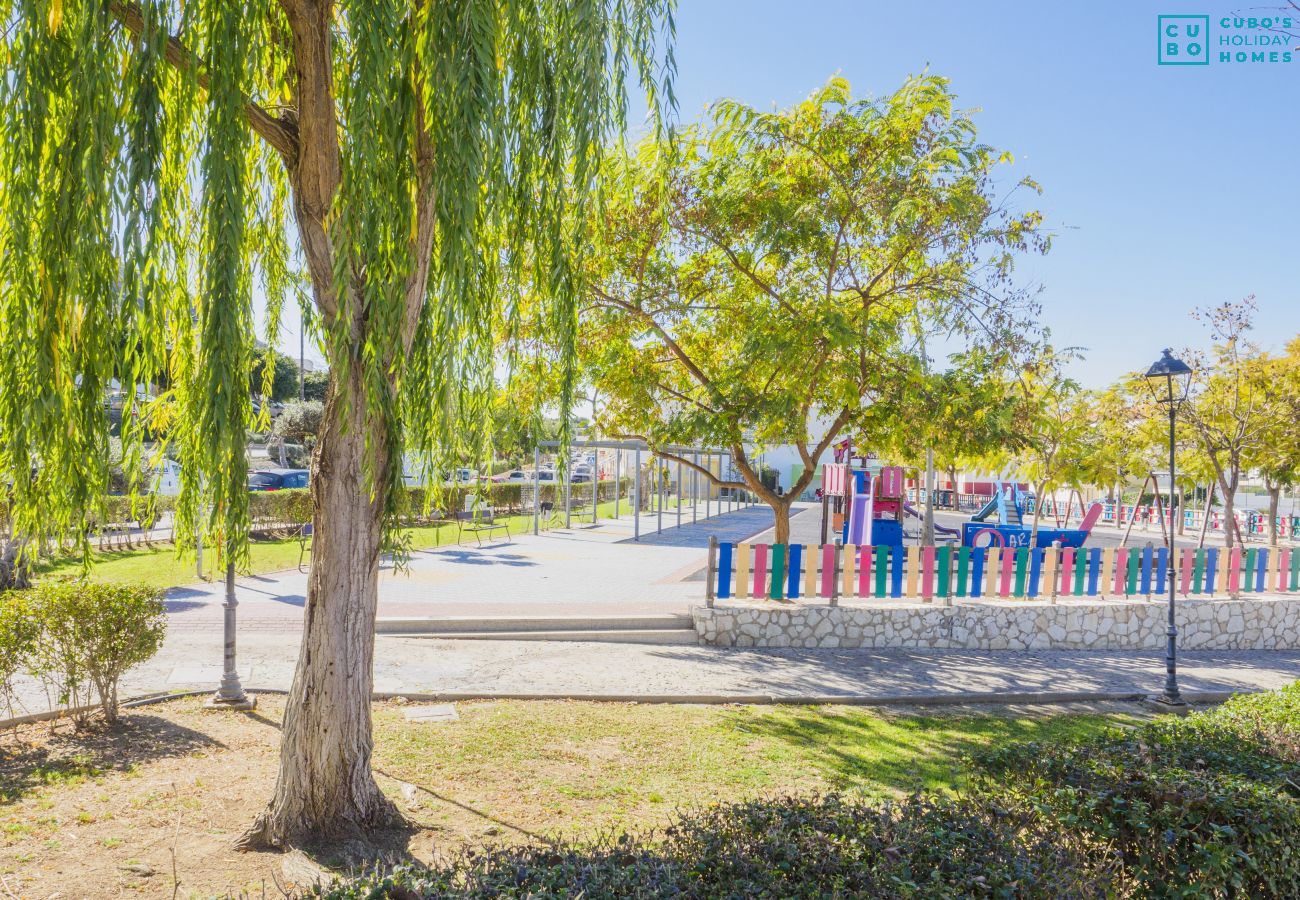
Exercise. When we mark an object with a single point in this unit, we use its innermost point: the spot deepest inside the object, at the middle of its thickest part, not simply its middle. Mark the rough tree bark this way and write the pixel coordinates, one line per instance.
(324, 774)
(325, 786)
(1274, 501)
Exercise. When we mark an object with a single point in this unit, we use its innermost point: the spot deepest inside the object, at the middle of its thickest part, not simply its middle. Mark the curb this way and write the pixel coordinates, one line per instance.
(1026, 698)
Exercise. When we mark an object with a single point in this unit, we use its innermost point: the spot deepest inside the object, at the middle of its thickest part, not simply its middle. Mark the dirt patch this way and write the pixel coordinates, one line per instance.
(105, 813)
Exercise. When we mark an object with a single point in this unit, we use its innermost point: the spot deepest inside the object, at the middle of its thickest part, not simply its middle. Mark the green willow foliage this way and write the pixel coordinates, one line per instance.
(138, 208)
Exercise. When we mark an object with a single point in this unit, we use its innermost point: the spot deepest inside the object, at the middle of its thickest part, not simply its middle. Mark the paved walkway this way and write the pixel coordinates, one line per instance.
(583, 570)
(413, 665)
(597, 570)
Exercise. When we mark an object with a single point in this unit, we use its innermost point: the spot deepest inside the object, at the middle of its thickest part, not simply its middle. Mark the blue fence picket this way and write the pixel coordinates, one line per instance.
(1035, 571)
(1094, 570)
(977, 558)
(1145, 582)
(724, 570)
(792, 576)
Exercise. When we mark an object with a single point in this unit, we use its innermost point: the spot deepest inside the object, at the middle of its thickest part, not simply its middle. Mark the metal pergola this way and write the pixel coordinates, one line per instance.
(701, 456)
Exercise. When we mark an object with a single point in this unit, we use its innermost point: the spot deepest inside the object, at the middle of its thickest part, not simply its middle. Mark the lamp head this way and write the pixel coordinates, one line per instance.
(1175, 374)
(1168, 366)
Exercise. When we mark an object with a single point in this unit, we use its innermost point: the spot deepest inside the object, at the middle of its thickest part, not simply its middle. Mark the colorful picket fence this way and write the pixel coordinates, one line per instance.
(832, 571)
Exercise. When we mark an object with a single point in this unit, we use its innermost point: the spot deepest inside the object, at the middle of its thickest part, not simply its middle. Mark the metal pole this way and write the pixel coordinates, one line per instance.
(659, 492)
(708, 487)
(695, 488)
(618, 478)
(537, 487)
(595, 487)
(679, 493)
(1172, 695)
(636, 495)
(302, 360)
(568, 494)
(230, 695)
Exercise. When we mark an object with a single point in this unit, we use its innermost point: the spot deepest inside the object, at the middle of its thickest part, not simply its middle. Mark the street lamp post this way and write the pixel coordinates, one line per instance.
(1168, 380)
(230, 695)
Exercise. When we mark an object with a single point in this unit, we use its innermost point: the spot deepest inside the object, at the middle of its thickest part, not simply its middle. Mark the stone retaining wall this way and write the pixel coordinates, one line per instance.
(1257, 623)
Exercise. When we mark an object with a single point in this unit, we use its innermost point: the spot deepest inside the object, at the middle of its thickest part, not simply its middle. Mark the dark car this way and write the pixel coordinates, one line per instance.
(278, 479)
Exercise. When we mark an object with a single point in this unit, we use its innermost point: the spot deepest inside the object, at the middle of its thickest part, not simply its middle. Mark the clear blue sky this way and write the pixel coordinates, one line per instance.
(1168, 187)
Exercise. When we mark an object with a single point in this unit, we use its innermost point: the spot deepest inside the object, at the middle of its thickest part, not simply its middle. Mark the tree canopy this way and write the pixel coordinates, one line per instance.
(760, 280)
(155, 154)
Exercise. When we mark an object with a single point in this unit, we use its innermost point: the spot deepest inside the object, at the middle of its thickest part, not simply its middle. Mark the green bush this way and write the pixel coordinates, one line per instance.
(795, 847)
(18, 633)
(1203, 804)
(88, 634)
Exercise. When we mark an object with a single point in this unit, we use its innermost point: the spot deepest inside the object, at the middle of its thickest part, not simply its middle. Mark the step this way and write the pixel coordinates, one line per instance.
(516, 624)
(598, 636)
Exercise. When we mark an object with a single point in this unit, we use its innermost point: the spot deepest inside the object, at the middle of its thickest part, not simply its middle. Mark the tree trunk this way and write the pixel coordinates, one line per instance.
(781, 511)
(1038, 512)
(1274, 500)
(1229, 516)
(325, 786)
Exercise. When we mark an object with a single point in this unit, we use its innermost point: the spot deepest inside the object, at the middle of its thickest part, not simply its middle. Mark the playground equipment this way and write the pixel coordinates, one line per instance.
(1010, 504)
(866, 506)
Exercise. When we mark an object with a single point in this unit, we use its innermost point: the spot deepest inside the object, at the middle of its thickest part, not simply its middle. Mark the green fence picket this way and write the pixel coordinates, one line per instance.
(778, 571)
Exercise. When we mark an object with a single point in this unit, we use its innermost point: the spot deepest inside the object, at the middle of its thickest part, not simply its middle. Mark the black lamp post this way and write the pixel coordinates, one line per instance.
(1168, 380)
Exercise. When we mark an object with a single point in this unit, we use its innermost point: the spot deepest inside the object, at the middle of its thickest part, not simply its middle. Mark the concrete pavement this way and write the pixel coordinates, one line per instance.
(599, 571)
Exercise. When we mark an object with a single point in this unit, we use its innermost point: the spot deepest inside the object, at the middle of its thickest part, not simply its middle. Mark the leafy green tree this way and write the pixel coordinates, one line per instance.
(759, 282)
(315, 385)
(284, 380)
(1229, 407)
(1054, 423)
(967, 416)
(1278, 456)
(154, 153)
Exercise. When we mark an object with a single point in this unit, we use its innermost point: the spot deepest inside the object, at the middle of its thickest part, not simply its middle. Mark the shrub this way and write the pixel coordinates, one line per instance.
(793, 847)
(1199, 802)
(89, 634)
(18, 632)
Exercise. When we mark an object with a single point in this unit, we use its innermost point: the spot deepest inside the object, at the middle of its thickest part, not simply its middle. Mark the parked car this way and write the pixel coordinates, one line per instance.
(278, 479)
(514, 475)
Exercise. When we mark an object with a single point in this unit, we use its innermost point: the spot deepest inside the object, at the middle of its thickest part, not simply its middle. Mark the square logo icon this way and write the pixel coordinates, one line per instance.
(1184, 40)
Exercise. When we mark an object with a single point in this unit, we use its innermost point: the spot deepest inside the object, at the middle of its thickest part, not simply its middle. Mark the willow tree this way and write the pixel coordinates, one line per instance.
(761, 281)
(162, 157)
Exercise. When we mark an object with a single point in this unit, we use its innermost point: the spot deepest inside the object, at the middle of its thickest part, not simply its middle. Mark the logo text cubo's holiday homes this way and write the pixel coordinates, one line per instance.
(1198, 40)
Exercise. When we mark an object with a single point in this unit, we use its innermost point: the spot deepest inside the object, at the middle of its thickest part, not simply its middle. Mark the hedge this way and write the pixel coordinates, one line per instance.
(1207, 805)
(1202, 806)
(834, 846)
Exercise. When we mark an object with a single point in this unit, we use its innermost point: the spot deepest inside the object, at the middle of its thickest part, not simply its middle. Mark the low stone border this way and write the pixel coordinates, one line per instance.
(947, 698)
(1255, 623)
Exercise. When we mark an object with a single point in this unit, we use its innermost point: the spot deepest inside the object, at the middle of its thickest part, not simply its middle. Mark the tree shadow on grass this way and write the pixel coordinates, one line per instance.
(859, 750)
(35, 758)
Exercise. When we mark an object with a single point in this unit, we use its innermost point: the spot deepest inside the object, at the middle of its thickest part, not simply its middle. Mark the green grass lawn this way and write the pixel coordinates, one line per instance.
(505, 771)
(582, 768)
(160, 566)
